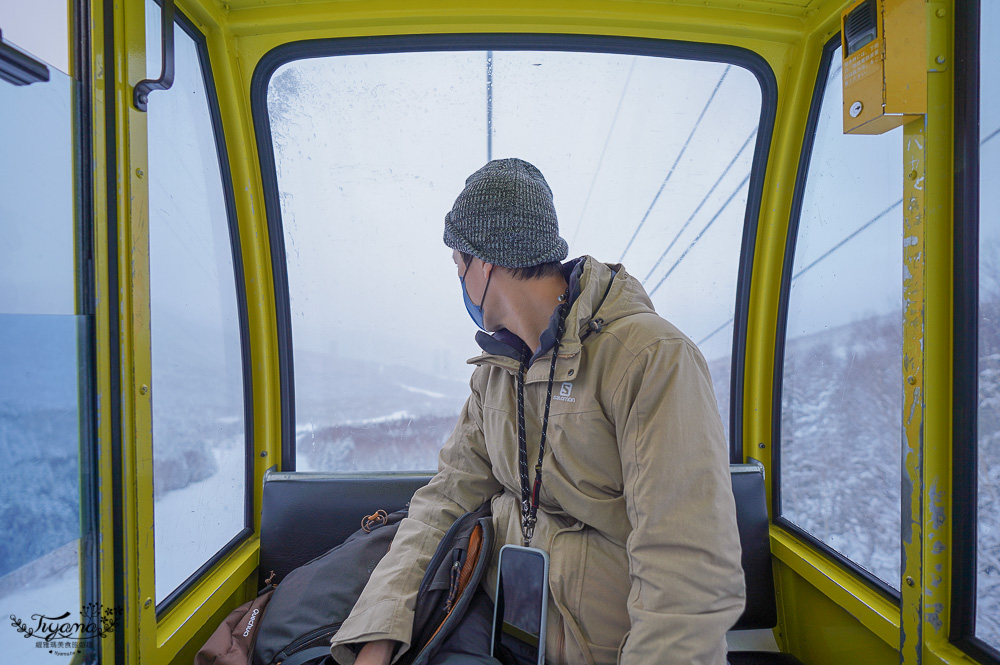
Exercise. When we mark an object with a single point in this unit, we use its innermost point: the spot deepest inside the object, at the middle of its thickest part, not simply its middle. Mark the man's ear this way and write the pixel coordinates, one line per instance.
(487, 269)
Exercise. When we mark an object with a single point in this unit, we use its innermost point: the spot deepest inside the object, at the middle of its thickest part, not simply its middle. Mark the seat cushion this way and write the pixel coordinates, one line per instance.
(751, 519)
(305, 514)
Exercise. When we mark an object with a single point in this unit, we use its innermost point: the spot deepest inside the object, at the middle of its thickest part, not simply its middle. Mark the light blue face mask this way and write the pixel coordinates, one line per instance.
(475, 311)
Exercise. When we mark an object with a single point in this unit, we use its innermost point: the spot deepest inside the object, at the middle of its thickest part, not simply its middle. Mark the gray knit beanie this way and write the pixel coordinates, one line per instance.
(505, 216)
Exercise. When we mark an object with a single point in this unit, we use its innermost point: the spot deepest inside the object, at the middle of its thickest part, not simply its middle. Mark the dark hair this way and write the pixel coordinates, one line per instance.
(529, 272)
(549, 269)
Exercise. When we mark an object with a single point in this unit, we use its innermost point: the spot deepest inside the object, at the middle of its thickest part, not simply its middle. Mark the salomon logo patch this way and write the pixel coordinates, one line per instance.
(565, 392)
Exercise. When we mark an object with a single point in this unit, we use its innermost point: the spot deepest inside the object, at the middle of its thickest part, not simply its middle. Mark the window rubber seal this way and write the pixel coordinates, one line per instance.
(120, 548)
(965, 345)
(283, 54)
(90, 580)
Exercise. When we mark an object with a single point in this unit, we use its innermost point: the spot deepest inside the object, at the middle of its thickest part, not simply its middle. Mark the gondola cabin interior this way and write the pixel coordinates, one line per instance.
(220, 255)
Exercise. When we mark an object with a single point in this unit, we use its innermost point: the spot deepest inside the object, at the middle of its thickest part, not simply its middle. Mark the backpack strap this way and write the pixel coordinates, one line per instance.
(306, 655)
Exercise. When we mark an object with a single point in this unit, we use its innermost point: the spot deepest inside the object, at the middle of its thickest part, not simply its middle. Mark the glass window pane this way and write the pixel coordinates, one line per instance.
(199, 440)
(988, 551)
(648, 159)
(842, 374)
(44, 372)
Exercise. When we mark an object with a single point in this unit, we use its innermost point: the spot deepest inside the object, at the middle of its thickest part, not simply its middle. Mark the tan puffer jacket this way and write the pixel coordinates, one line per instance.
(636, 507)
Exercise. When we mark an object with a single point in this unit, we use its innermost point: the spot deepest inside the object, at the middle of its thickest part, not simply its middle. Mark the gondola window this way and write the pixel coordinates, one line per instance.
(988, 546)
(46, 371)
(199, 428)
(649, 159)
(841, 390)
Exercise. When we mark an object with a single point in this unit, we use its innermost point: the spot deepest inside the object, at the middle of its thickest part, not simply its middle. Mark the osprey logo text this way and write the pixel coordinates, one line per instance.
(565, 390)
(253, 618)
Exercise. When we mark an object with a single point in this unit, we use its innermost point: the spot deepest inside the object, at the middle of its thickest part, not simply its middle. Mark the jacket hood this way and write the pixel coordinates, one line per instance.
(600, 293)
(607, 292)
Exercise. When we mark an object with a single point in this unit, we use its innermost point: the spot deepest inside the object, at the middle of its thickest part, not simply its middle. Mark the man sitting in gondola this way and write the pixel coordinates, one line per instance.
(592, 427)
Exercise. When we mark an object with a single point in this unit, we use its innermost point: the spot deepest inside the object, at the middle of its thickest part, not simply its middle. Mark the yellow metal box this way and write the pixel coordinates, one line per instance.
(884, 46)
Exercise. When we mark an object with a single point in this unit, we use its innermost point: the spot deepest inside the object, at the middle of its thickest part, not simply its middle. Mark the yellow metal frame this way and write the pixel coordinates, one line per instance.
(810, 586)
(234, 52)
(233, 578)
(104, 345)
(799, 564)
(928, 289)
(918, 629)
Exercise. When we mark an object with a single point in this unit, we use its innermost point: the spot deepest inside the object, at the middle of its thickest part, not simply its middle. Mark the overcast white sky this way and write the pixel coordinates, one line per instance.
(852, 180)
(377, 147)
(372, 151)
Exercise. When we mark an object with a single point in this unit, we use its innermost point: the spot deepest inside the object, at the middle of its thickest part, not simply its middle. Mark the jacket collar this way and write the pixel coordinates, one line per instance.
(593, 289)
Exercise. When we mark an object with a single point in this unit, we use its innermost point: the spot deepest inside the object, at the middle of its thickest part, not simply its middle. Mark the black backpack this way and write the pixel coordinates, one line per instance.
(451, 580)
(309, 605)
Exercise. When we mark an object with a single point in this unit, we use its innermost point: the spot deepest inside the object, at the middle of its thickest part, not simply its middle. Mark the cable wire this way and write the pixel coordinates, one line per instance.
(992, 135)
(818, 260)
(698, 209)
(836, 70)
(489, 106)
(716, 331)
(676, 162)
(604, 150)
(843, 242)
(697, 238)
(996, 132)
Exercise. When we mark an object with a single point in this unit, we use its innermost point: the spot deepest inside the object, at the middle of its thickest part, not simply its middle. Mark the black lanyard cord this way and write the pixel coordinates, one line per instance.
(529, 499)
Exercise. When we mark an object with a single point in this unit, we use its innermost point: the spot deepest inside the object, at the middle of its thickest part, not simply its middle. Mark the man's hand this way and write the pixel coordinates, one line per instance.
(376, 653)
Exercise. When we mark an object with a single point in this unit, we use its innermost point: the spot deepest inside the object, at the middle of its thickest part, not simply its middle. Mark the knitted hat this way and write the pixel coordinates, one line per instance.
(505, 216)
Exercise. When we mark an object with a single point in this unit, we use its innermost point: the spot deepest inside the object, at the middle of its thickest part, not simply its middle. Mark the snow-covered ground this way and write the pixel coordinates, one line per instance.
(191, 525)
(195, 522)
(837, 398)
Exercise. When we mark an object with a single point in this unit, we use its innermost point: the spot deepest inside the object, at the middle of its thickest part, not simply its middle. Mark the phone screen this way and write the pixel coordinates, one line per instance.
(521, 602)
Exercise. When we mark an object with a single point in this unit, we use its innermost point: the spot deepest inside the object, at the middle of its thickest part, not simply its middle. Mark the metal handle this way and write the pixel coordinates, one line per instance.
(19, 68)
(166, 79)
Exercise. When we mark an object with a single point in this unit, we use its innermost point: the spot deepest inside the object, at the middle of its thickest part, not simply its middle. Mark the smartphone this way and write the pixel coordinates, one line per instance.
(522, 599)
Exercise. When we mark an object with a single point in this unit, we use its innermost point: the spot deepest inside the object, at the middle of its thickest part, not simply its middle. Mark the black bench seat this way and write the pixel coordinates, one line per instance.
(304, 514)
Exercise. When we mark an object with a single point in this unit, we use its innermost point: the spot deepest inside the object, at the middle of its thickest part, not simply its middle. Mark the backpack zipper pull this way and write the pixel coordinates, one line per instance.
(456, 571)
(371, 521)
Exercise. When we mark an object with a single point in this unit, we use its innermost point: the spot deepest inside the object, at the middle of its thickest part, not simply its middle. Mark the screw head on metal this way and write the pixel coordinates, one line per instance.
(855, 110)
(139, 172)
(143, 389)
(912, 175)
(149, 601)
(940, 13)
(909, 581)
(940, 59)
(761, 445)
(911, 379)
